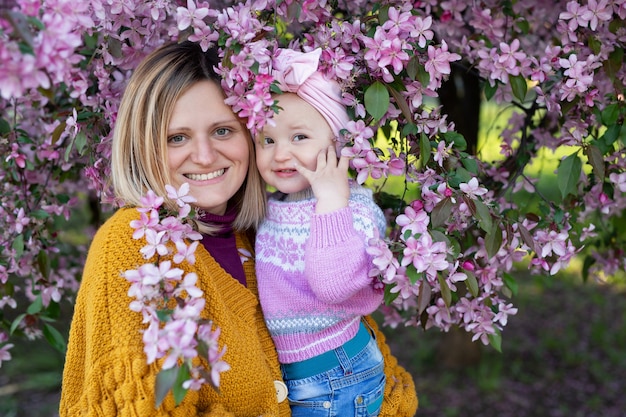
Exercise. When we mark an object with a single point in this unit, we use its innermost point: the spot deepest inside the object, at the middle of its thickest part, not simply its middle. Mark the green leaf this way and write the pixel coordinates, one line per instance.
(523, 25)
(36, 306)
(376, 100)
(518, 86)
(165, 380)
(389, 296)
(510, 282)
(614, 63)
(445, 290)
(425, 149)
(409, 129)
(526, 237)
(423, 76)
(483, 215)
(54, 337)
(383, 15)
(412, 67)
(587, 263)
(5, 127)
(423, 299)
(401, 103)
(493, 240)
(413, 275)
(490, 90)
(441, 212)
(458, 139)
(594, 44)
(81, 143)
(596, 160)
(471, 165)
(18, 245)
(43, 263)
(461, 175)
(568, 175)
(495, 340)
(39, 214)
(178, 390)
(15, 324)
(608, 138)
(610, 114)
(471, 283)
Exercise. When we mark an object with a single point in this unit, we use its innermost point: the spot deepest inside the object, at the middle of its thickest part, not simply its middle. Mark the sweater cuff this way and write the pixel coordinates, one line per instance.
(328, 229)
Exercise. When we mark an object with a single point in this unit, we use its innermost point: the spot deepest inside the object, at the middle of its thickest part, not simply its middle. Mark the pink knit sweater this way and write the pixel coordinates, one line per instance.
(312, 272)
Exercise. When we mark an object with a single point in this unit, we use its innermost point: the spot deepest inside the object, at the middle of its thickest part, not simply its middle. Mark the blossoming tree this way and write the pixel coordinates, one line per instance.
(459, 223)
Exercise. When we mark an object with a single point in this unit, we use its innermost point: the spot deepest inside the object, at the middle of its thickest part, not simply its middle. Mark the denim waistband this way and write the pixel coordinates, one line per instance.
(327, 360)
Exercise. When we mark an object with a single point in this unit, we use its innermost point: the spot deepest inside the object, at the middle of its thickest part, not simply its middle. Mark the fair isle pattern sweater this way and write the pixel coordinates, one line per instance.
(313, 272)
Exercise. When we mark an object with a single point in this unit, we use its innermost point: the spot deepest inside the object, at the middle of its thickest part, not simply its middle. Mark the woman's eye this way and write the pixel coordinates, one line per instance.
(222, 131)
(298, 138)
(175, 139)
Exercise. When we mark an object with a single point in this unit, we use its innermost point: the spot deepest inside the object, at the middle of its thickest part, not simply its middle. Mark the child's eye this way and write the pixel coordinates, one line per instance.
(298, 138)
(176, 139)
(267, 140)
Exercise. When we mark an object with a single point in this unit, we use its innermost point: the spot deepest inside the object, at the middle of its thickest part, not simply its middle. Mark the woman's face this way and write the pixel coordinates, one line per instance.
(207, 147)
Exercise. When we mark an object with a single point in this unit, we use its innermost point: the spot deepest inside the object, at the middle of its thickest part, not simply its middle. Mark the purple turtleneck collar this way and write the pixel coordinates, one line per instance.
(222, 245)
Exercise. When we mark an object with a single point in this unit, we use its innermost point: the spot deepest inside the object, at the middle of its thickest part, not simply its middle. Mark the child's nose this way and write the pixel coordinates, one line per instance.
(282, 153)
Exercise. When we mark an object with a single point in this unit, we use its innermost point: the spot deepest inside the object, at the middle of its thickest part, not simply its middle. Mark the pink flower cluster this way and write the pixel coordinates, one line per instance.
(168, 299)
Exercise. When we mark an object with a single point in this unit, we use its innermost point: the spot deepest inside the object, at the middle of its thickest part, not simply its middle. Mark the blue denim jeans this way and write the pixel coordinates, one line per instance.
(355, 388)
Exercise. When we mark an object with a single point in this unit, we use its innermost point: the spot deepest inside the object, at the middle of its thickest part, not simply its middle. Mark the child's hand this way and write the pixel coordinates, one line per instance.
(329, 181)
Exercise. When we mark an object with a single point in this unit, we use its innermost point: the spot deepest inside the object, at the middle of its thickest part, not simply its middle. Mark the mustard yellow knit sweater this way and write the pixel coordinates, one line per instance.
(105, 370)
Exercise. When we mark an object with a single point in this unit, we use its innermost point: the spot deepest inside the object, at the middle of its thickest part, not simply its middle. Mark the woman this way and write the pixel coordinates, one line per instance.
(173, 127)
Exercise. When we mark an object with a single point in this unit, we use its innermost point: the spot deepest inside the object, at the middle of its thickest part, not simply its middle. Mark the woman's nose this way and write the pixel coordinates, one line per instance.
(203, 152)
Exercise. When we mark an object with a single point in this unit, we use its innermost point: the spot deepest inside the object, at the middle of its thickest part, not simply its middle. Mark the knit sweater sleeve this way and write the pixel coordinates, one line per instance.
(106, 373)
(336, 262)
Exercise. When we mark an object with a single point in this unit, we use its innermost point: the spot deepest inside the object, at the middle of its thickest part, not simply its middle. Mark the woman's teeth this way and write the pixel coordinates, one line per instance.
(204, 177)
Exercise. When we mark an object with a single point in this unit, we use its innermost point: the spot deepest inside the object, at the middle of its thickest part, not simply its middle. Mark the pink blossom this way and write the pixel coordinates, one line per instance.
(21, 220)
(575, 14)
(5, 355)
(472, 189)
(619, 180)
(414, 220)
(185, 252)
(190, 15)
(551, 242)
(16, 156)
(155, 244)
(443, 152)
(438, 63)
(421, 30)
(504, 311)
(596, 12)
(144, 223)
(425, 255)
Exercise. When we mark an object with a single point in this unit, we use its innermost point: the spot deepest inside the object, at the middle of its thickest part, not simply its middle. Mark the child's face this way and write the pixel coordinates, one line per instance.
(300, 134)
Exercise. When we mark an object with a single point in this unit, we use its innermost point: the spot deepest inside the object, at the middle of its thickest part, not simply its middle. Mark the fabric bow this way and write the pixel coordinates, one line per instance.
(297, 72)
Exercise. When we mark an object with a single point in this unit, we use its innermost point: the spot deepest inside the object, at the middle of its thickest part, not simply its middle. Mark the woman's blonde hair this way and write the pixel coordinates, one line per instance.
(139, 154)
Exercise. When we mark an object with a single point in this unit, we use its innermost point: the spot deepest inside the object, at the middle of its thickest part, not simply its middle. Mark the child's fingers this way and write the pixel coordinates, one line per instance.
(304, 171)
(344, 164)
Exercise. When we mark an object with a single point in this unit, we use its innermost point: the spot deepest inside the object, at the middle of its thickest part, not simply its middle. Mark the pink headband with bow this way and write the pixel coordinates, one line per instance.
(296, 72)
